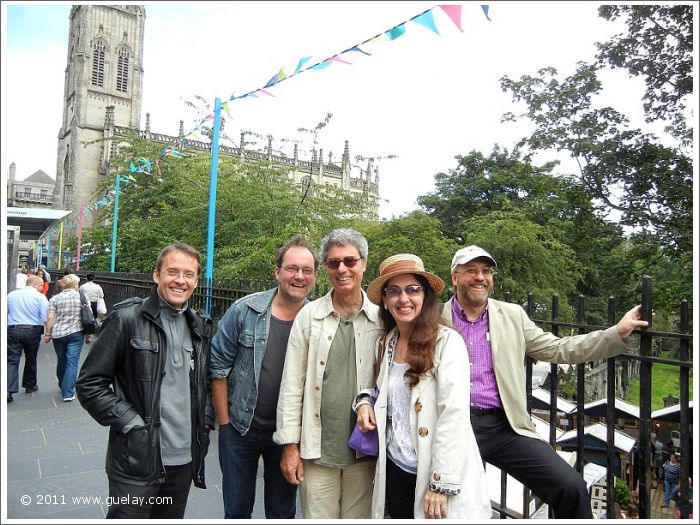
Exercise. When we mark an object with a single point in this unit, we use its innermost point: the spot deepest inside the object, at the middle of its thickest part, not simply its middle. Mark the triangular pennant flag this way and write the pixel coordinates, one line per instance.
(357, 48)
(485, 9)
(321, 65)
(336, 58)
(455, 14)
(132, 167)
(272, 81)
(301, 63)
(261, 90)
(282, 74)
(396, 32)
(426, 19)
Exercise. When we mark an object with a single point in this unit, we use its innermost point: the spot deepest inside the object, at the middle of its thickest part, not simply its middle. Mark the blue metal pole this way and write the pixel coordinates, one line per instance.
(213, 181)
(114, 224)
(48, 251)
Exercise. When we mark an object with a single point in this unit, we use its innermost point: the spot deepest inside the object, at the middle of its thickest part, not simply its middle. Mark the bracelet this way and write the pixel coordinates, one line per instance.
(48, 335)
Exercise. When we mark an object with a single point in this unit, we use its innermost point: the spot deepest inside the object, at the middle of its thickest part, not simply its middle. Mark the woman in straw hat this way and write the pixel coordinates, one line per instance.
(429, 464)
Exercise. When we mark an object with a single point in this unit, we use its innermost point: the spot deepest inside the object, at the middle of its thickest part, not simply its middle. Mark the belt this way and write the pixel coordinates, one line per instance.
(25, 326)
(476, 411)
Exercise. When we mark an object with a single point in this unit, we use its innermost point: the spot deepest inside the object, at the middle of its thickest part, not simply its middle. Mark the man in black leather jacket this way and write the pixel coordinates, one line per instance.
(147, 369)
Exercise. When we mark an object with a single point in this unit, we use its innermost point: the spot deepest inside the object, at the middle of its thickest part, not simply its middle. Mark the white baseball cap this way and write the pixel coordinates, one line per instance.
(465, 255)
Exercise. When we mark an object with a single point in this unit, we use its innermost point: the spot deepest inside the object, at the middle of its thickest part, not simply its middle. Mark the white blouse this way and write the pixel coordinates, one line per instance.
(399, 441)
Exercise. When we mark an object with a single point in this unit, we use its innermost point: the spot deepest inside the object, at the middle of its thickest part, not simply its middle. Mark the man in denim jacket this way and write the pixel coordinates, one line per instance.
(247, 357)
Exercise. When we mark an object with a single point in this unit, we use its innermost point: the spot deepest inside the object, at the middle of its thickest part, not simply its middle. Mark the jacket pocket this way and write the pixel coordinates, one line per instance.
(132, 454)
(145, 358)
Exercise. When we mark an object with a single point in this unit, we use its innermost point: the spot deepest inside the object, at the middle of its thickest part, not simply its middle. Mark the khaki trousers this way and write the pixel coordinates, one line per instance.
(332, 493)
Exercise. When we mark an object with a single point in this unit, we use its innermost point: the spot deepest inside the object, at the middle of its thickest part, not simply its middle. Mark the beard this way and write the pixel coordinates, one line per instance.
(474, 297)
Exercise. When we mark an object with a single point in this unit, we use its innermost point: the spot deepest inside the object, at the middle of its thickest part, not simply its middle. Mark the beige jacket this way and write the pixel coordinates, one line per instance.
(513, 336)
(442, 434)
(299, 405)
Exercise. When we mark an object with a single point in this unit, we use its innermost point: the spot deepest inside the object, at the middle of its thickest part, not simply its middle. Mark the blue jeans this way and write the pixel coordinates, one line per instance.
(25, 338)
(238, 457)
(668, 491)
(68, 353)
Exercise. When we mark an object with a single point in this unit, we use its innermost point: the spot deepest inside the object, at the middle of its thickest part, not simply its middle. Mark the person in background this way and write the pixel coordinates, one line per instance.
(148, 379)
(683, 509)
(329, 360)
(45, 273)
(94, 293)
(27, 311)
(429, 464)
(498, 336)
(65, 327)
(21, 278)
(247, 357)
(672, 476)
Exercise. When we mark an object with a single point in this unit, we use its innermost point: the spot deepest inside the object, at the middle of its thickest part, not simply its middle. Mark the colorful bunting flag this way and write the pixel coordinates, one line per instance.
(426, 19)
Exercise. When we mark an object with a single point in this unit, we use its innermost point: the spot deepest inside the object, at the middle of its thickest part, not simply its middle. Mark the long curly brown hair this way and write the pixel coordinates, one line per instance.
(423, 335)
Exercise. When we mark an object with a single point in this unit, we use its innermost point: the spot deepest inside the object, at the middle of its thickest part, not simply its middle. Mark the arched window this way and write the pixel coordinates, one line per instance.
(98, 65)
(123, 70)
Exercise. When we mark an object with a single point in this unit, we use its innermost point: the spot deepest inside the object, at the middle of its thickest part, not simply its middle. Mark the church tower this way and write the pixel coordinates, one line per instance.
(105, 68)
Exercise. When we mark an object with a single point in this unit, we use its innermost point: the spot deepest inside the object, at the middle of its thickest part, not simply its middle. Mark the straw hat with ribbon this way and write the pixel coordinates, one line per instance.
(398, 265)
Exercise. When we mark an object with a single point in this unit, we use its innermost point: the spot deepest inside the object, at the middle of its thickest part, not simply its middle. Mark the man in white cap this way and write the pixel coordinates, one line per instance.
(498, 336)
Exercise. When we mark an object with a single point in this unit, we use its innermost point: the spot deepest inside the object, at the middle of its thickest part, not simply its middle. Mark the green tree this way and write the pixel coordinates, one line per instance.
(625, 169)
(658, 46)
(258, 208)
(530, 258)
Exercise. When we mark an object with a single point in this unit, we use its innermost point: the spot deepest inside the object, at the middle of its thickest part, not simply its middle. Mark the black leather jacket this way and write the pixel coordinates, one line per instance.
(121, 377)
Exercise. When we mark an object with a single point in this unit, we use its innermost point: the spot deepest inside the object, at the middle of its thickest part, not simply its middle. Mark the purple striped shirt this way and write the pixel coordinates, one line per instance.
(484, 390)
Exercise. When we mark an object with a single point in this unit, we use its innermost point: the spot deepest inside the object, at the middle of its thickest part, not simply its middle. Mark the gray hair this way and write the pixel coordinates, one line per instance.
(343, 237)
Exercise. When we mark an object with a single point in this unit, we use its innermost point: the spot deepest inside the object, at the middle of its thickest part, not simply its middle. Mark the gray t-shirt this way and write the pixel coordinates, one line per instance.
(175, 412)
(339, 385)
(265, 415)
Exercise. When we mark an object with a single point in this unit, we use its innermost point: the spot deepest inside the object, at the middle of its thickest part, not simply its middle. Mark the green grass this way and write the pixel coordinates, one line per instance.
(664, 382)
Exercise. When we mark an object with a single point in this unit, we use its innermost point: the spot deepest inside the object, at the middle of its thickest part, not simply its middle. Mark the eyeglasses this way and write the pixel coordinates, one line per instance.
(293, 270)
(349, 262)
(395, 291)
(171, 272)
(473, 271)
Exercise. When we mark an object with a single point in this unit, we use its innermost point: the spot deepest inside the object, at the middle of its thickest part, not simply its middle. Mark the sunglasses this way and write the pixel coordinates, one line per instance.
(349, 262)
(395, 291)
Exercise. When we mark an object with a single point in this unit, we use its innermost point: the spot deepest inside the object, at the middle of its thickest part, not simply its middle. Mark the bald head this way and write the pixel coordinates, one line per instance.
(35, 281)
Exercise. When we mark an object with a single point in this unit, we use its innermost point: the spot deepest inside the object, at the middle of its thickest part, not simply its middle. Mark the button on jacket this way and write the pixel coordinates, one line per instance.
(299, 405)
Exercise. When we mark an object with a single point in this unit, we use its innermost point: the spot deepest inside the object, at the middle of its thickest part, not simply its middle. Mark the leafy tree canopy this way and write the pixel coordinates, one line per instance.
(658, 46)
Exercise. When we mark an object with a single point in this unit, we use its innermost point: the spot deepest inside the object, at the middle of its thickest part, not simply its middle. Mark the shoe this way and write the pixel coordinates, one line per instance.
(10, 399)
(30, 390)
(68, 399)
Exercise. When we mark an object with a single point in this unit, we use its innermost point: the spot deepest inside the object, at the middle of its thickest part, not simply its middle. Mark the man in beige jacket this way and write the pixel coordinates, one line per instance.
(498, 336)
(329, 359)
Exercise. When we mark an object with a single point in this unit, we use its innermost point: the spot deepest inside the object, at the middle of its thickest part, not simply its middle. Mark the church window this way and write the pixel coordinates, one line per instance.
(98, 65)
(123, 71)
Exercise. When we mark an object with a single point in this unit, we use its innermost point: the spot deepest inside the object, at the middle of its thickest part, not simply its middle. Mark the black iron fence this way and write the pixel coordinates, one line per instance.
(121, 286)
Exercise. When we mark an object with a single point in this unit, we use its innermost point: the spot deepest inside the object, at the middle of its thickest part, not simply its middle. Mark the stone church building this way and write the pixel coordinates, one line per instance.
(103, 98)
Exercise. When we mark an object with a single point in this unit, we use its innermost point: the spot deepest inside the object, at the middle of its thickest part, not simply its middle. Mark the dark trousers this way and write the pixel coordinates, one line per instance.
(25, 339)
(238, 458)
(535, 464)
(400, 492)
(166, 500)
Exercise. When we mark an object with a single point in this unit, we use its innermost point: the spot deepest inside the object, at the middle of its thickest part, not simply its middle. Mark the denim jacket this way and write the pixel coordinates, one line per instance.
(237, 352)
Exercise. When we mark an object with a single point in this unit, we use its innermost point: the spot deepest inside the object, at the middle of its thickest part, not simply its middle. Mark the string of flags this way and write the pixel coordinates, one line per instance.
(425, 19)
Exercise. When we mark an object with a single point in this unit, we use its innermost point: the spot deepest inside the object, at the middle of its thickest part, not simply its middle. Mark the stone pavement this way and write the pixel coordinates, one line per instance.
(56, 454)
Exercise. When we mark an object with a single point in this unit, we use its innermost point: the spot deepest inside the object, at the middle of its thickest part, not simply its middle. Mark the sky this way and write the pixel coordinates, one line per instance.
(414, 104)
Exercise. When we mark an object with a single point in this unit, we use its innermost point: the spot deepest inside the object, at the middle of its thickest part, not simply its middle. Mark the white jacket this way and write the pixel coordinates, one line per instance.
(448, 454)
(301, 389)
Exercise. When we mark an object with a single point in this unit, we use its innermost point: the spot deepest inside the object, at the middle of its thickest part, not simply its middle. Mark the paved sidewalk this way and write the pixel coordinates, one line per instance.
(56, 454)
